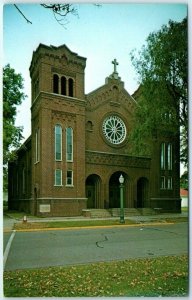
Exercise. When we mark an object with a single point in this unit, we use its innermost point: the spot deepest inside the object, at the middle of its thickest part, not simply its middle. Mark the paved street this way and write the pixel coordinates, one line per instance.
(66, 247)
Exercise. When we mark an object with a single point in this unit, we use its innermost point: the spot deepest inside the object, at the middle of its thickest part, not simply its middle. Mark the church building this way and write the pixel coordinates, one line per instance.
(79, 146)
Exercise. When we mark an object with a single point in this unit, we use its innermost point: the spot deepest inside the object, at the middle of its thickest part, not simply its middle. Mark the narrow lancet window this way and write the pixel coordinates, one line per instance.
(37, 145)
(70, 84)
(169, 156)
(55, 84)
(63, 86)
(69, 143)
(163, 156)
(58, 142)
(23, 183)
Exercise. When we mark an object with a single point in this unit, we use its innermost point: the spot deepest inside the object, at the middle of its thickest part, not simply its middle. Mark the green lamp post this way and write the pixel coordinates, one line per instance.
(121, 180)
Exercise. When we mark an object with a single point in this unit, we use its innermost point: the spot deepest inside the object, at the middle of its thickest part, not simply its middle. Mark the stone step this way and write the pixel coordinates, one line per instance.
(99, 213)
(115, 212)
(147, 211)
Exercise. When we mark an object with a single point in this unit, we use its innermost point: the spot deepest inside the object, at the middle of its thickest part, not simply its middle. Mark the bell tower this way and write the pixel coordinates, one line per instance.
(57, 70)
(58, 130)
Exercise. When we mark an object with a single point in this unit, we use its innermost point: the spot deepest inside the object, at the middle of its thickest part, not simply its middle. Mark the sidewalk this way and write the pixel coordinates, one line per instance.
(9, 221)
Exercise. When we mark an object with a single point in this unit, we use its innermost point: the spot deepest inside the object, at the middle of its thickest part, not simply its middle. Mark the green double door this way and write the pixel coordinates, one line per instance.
(114, 196)
(90, 194)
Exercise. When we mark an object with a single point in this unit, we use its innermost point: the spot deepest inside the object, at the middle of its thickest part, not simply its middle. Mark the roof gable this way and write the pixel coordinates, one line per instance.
(114, 93)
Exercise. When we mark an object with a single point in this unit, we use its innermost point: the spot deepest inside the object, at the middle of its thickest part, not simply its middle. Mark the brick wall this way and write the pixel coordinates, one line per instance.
(97, 164)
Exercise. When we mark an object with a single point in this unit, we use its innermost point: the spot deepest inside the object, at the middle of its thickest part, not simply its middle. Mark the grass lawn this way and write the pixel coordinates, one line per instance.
(81, 223)
(89, 223)
(185, 209)
(86, 223)
(162, 276)
(69, 224)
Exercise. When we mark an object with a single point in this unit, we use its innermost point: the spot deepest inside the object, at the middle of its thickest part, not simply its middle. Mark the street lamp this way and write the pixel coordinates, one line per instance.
(121, 180)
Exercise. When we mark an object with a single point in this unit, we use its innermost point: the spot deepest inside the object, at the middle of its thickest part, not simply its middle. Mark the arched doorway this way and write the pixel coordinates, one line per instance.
(93, 186)
(142, 192)
(114, 189)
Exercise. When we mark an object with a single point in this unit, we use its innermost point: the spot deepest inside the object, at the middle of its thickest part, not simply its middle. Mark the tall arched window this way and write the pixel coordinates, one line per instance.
(58, 142)
(163, 156)
(55, 84)
(37, 145)
(63, 86)
(23, 180)
(36, 87)
(169, 156)
(69, 143)
(70, 85)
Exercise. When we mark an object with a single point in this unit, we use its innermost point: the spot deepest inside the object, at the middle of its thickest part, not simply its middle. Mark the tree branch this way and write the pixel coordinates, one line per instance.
(61, 9)
(22, 14)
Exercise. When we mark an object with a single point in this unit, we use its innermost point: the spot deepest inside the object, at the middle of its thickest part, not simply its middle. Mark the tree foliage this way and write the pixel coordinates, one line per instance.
(12, 97)
(184, 180)
(162, 69)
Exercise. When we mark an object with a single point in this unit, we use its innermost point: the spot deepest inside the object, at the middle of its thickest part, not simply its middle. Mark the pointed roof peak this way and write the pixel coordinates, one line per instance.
(115, 74)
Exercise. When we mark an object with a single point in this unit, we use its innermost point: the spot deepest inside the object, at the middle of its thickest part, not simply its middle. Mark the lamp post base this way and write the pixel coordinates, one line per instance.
(122, 220)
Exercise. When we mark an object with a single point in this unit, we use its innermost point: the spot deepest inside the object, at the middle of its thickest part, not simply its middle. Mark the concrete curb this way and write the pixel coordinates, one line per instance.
(96, 227)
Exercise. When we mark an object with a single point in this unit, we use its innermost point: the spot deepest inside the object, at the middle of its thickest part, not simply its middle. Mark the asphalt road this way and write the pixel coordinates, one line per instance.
(69, 247)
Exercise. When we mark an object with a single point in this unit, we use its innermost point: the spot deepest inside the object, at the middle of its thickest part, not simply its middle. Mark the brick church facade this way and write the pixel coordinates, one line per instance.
(79, 146)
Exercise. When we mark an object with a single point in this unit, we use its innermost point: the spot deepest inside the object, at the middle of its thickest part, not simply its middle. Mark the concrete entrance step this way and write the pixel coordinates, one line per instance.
(147, 211)
(115, 212)
(99, 213)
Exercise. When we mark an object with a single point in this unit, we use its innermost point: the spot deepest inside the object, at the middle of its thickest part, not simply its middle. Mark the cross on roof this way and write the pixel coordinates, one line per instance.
(115, 63)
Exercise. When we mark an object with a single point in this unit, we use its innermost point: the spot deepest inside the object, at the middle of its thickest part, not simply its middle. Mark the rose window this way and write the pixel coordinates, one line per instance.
(114, 130)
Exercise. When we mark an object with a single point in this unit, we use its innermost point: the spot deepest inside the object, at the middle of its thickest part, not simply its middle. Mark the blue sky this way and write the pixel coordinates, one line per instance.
(98, 33)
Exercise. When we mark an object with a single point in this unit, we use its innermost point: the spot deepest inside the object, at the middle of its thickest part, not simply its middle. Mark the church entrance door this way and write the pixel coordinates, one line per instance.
(142, 192)
(90, 194)
(93, 185)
